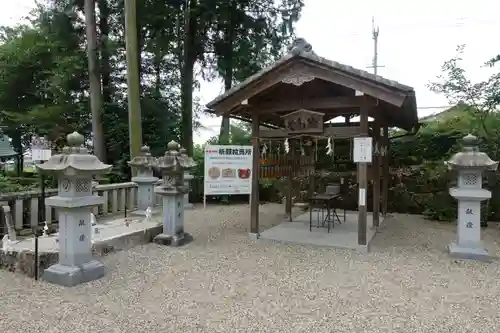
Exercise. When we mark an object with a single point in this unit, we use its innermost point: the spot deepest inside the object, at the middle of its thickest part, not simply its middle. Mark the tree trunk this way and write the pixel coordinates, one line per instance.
(105, 54)
(187, 77)
(138, 23)
(134, 97)
(94, 80)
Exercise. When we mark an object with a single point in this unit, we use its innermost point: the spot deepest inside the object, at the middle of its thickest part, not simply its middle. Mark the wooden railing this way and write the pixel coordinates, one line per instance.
(26, 207)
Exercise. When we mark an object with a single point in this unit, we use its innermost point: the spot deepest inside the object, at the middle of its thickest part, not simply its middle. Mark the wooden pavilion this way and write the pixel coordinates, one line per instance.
(302, 86)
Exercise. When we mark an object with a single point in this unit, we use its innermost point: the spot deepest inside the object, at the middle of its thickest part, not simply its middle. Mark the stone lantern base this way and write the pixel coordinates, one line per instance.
(173, 217)
(173, 240)
(70, 276)
(472, 252)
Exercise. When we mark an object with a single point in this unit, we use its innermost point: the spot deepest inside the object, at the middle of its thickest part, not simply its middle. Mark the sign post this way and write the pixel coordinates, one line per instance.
(362, 155)
(40, 151)
(228, 170)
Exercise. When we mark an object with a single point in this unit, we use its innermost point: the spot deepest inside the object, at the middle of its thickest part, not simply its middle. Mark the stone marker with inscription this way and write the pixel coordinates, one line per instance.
(173, 165)
(470, 164)
(74, 169)
(143, 163)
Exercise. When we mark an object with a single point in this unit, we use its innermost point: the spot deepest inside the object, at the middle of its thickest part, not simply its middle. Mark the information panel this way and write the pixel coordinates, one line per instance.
(362, 150)
(228, 170)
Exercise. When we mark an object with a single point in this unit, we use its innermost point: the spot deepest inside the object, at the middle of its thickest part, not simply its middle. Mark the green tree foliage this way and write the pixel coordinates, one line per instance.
(250, 35)
(44, 81)
(481, 99)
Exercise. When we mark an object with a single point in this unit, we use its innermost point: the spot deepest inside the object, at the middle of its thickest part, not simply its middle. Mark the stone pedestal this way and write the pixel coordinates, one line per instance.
(187, 179)
(470, 163)
(468, 244)
(173, 217)
(145, 194)
(74, 202)
(172, 190)
(145, 181)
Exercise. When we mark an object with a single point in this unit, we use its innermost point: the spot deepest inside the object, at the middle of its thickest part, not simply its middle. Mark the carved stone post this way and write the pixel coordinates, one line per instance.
(145, 181)
(74, 169)
(470, 164)
(173, 165)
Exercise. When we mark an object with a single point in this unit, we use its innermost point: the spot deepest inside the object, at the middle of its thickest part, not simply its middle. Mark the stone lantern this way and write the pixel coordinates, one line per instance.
(173, 165)
(470, 164)
(74, 169)
(145, 181)
(187, 178)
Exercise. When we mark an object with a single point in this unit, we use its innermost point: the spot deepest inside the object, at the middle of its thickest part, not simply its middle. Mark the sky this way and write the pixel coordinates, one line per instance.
(415, 38)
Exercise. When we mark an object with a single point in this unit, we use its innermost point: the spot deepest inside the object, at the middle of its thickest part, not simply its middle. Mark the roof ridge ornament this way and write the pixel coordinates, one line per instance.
(300, 46)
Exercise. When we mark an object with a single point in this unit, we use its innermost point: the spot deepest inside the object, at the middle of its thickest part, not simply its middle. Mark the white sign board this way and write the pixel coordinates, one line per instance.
(362, 150)
(228, 170)
(40, 149)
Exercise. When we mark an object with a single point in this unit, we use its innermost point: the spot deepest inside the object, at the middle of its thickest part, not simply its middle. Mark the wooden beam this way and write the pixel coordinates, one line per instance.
(317, 104)
(335, 132)
(357, 83)
(253, 88)
(362, 183)
(254, 201)
(385, 170)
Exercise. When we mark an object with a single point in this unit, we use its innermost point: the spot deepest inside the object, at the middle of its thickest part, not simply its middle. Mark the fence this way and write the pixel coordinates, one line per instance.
(27, 213)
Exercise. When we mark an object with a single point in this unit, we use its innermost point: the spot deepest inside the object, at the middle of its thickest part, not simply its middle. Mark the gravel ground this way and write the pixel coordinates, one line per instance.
(224, 282)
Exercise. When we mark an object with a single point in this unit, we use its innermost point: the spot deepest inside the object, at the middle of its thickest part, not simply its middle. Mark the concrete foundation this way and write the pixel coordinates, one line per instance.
(70, 276)
(471, 253)
(344, 235)
(112, 236)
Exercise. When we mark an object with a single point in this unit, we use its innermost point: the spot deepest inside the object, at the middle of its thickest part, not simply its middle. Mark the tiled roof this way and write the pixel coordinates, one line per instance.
(301, 49)
(6, 147)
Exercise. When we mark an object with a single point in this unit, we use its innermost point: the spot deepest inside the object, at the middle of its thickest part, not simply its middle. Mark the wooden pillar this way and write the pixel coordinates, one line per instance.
(376, 174)
(289, 203)
(385, 170)
(290, 170)
(289, 200)
(362, 182)
(254, 202)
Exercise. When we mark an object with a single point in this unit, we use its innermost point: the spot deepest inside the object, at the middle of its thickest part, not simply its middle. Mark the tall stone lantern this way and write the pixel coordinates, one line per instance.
(74, 169)
(145, 180)
(470, 164)
(187, 178)
(172, 189)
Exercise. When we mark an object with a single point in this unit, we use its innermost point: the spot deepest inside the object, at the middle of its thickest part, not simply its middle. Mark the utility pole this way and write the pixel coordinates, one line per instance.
(375, 31)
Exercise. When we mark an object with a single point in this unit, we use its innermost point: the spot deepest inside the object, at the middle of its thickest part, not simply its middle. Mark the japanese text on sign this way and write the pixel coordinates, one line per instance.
(235, 151)
(228, 170)
(362, 150)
